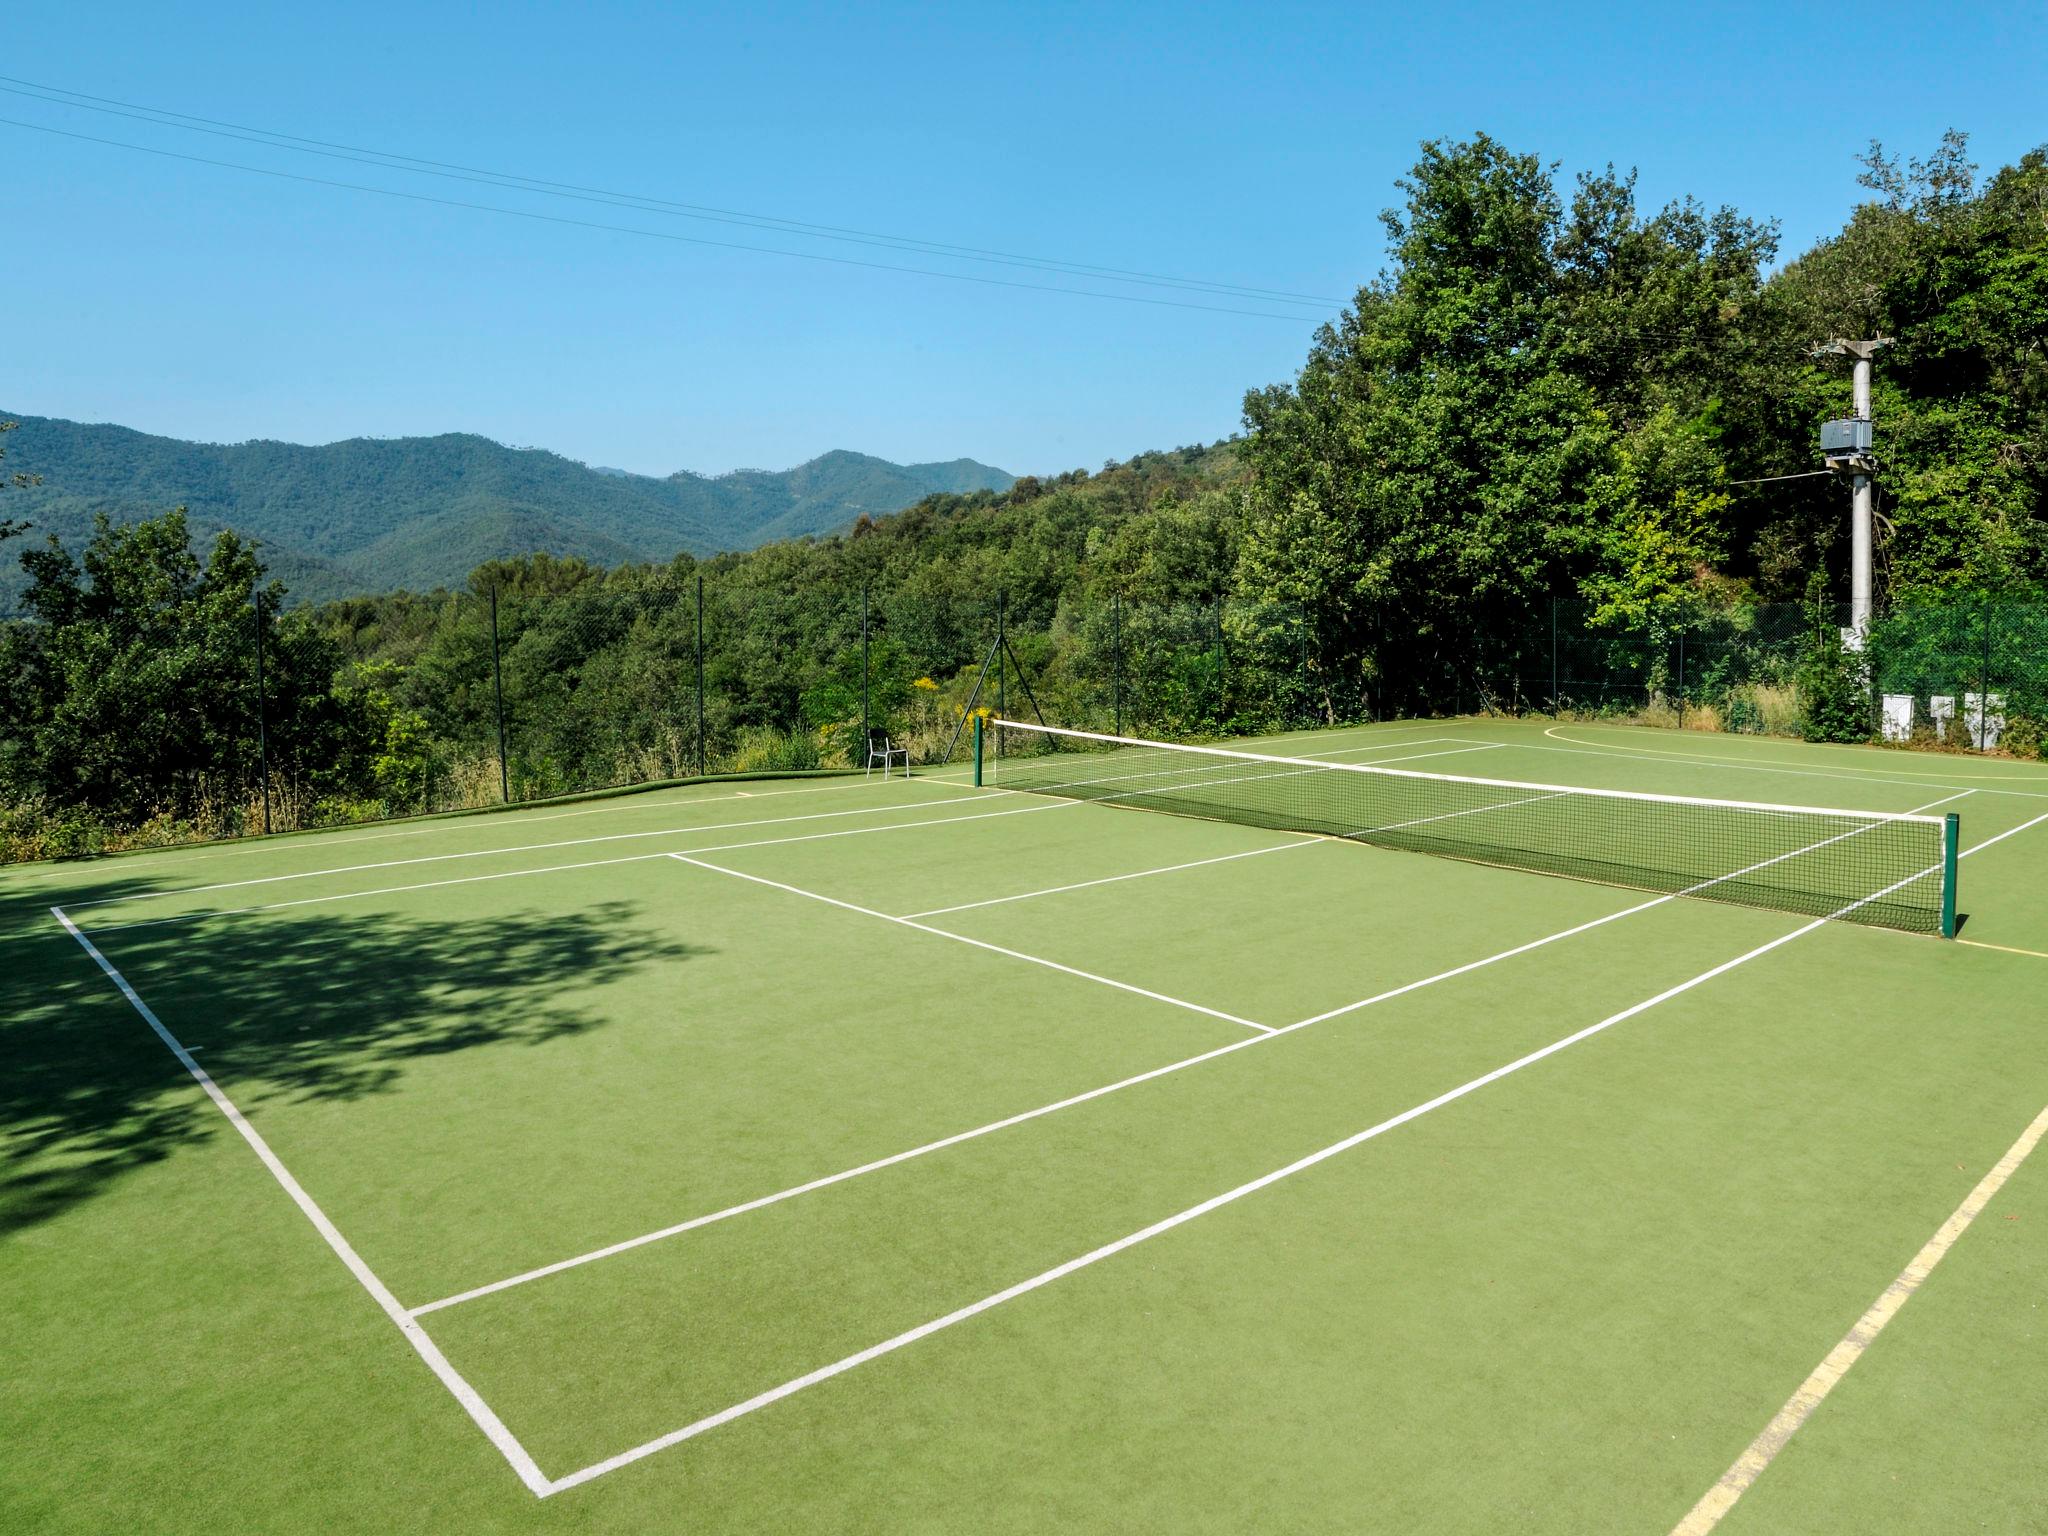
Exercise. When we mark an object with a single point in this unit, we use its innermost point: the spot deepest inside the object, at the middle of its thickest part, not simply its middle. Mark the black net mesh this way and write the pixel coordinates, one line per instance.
(1858, 865)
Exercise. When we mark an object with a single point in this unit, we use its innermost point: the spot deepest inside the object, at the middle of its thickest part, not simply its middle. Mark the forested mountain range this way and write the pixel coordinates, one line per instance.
(376, 514)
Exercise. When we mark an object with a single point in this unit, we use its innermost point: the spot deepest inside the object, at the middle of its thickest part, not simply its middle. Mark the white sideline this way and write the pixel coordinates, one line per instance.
(516, 813)
(626, 1245)
(479, 1411)
(1180, 1218)
(549, 869)
(961, 938)
(1658, 754)
(486, 853)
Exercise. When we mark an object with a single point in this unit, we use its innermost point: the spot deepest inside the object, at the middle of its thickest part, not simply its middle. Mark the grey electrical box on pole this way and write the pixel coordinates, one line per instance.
(1847, 446)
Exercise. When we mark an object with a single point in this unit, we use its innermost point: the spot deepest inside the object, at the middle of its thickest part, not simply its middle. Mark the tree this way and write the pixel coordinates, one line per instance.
(139, 697)
(10, 527)
(1515, 410)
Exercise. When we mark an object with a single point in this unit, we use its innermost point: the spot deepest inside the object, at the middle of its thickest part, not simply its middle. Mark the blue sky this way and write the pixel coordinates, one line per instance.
(1241, 145)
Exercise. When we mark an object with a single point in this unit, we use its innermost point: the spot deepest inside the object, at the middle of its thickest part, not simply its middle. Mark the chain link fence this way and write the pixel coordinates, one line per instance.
(382, 707)
(1966, 674)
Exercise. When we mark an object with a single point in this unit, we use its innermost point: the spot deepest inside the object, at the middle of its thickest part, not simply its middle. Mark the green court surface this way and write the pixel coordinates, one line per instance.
(891, 1155)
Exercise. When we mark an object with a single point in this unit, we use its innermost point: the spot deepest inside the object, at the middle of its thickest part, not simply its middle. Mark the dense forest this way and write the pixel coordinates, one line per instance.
(1559, 455)
(381, 514)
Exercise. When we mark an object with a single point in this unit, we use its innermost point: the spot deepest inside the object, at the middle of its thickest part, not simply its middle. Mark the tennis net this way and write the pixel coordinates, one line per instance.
(1895, 871)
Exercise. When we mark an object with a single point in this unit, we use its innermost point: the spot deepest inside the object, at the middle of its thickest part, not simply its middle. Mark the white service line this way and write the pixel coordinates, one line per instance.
(486, 853)
(961, 938)
(1305, 840)
(1470, 746)
(550, 869)
(626, 1245)
(1180, 1218)
(479, 1411)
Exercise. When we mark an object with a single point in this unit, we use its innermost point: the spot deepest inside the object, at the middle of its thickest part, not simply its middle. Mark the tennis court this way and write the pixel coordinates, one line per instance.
(907, 1154)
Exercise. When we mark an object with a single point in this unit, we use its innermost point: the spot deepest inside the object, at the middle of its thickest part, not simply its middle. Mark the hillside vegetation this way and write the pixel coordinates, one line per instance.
(377, 514)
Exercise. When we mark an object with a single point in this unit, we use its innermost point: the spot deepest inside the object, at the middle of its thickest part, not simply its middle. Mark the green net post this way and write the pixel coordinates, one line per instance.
(977, 751)
(1951, 835)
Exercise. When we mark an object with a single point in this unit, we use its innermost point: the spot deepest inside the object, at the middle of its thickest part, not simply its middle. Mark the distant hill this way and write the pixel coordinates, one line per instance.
(376, 514)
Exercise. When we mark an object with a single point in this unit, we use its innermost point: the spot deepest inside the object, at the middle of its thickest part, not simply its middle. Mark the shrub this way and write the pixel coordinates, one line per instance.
(1834, 698)
(2025, 736)
(763, 749)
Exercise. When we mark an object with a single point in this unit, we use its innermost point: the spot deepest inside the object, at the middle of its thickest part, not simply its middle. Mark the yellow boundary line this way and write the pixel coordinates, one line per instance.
(2005, 949)
(1750, 1465)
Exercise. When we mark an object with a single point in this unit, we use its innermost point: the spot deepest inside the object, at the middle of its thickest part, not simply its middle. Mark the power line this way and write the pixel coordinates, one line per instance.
(1811, 474)
(647, 234)
(412, 164)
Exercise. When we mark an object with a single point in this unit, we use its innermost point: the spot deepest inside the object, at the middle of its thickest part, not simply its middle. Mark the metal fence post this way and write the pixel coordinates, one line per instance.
(864, 724)
(262, 732)
(702, 763)
(498, 697)
(1984, 685)
(1222, 665)
(1554, 707)
(1116, 659)
(1681, 679)
(1002, 666)
(1301, 669)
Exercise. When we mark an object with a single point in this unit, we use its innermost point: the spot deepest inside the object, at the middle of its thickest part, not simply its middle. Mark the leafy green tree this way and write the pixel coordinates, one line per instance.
(1481, 430)
(140, 697)
(1957, 275)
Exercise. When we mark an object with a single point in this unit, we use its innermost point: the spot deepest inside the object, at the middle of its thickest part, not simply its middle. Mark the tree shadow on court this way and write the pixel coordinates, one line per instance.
(332, 1007)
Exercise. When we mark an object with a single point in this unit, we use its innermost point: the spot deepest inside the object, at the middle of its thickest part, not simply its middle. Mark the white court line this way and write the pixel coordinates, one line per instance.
(961, 938)
(1021, 1118)
(1303, 839)
(479, 1411)
(550, 869)
(1180, 1218)
(1369, 770)
(486, 853)
(496, 816)
(508, 1445)
(2002, 836)
(1655, 754)
(1470, 746)
(643, 1239)
(1306, 840)
(1764, 1449)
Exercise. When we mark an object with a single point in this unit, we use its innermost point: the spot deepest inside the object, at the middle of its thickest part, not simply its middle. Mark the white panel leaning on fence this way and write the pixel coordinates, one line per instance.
(1898, 716)
(1984, 718)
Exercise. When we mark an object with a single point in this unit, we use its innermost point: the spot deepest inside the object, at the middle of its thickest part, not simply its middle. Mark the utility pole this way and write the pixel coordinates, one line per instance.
(1848, 448)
